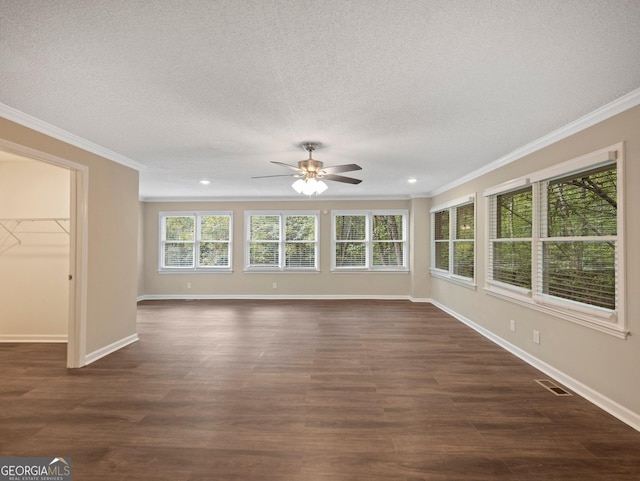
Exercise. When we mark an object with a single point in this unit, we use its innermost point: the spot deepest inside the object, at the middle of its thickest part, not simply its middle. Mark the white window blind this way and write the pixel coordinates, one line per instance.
(453, 240)
(214, 240)
(441, 239)
(375, 240)
(556, 244)
(282, 240)
(370, 240)
(578, 242)
(264, 241)
(195, 241)
(388, 240)
(351, 240)
(179, 241)
(510, 237)
(300, 241)
(464, 240)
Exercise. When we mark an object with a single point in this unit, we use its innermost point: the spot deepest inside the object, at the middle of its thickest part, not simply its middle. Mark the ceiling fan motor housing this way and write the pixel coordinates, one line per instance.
(311, 167)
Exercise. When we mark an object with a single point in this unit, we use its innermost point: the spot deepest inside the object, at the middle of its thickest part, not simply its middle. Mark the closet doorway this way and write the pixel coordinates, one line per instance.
(43, 207)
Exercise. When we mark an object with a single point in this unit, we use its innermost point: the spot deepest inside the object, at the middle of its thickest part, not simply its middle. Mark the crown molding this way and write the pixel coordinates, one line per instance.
(57, 133)
(626, 102)
(275, 199)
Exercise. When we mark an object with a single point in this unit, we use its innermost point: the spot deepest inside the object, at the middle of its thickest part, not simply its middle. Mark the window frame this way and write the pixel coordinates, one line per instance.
(610, 321)
(369, 242)
(449, 273)
(196, 268)
(513, 187)
(282, 241)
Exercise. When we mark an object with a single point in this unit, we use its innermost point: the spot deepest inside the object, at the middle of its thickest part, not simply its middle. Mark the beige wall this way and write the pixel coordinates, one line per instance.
(602, 362)
(141, 246)
(34, 296)
(112, 236)
(324, 283)
(420, 227)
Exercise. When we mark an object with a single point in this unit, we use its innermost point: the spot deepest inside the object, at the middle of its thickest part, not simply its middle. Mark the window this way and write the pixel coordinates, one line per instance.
(370, 240)
(195, 241)
(555, 241)
(578, 237)
(510, 255)
(281, 240)
(441, 240)
(453, 240)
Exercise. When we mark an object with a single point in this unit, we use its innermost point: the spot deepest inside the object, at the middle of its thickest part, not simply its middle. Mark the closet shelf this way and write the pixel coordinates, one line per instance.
(13, 231)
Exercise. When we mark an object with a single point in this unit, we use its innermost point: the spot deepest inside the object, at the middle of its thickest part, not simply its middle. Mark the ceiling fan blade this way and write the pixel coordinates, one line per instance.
(287, 165)
(341, 168)
(280, 175)
(341, 178)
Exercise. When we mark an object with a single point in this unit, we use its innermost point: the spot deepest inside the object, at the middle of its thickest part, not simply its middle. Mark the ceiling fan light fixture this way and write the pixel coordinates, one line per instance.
(321, 187)
(298, 185)
(309, 186)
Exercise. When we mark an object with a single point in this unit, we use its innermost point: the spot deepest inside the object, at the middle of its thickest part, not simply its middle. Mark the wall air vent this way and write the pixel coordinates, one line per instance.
(553, 387)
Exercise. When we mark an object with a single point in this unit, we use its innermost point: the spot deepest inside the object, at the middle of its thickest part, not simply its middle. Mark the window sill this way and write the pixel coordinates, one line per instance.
(458, 280)
(269, 270)
(195, 271)
(357, 270)
(597, 319)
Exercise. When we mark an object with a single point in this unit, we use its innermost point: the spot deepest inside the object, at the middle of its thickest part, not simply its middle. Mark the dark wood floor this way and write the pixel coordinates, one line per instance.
(304, 390)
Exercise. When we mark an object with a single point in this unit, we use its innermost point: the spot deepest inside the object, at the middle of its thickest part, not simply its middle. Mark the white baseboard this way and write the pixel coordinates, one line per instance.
(106, 350)
(609, 405)
(195, 297)
(34, 338)
(421, 299)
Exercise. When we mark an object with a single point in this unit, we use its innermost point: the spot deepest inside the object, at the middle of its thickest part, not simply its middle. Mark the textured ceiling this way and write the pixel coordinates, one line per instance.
(217, 89)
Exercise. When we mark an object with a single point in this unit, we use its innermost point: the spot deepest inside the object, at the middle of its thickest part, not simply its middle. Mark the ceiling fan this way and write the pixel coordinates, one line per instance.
(311, 173)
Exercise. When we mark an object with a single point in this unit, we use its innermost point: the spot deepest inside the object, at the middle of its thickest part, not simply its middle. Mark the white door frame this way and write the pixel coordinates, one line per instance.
(79, 185)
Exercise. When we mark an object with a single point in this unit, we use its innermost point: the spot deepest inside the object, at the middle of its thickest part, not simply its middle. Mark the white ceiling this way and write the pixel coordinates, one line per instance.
(216, 89)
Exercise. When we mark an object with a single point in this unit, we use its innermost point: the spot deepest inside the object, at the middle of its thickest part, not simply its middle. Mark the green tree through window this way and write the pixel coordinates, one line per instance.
(511, 259)
(370, 240)
(579, 247)
(179, 241)
(453, 240)
(571, 252)
(351, 245)
(283, 240)
(199, 240)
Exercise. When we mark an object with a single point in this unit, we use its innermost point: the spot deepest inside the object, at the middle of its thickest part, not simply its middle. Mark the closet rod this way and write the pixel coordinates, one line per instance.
(16, 221)
(19, 220)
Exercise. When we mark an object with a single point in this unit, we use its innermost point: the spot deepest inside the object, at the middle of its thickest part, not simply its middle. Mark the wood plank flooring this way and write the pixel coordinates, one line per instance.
(304, 390)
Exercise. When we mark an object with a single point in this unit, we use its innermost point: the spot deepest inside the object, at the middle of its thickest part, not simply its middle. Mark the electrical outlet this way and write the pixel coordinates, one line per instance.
(275, 285)
(188, 285)
(512, 325)
(536, 336)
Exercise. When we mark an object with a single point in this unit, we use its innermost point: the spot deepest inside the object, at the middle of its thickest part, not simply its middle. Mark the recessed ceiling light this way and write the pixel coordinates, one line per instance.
(205, 182)
(412, 180)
